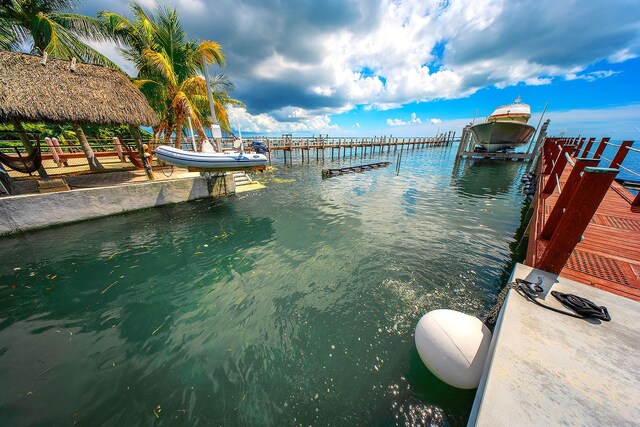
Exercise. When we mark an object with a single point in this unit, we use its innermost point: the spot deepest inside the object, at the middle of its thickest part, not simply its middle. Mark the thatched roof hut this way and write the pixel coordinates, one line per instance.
(52, 92)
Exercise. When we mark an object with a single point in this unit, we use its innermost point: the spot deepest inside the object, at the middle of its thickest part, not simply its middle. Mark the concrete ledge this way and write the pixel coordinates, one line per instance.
(33, 211)
(546, 369)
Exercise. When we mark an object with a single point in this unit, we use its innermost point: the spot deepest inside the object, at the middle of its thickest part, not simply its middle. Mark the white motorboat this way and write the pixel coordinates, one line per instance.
(210, 160)
(506, 128)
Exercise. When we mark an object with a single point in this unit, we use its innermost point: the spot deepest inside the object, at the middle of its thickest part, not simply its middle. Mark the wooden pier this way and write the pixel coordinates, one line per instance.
(584, 225)
(336, 147)
(326, 173)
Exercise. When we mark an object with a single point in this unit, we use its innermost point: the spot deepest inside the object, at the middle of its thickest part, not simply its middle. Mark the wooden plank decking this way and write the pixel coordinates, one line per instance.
(609, 255)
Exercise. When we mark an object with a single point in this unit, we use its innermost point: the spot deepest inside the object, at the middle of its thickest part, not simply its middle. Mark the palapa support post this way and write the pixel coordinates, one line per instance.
(565, 196)
(135, 133)
(587, 147)
(621, 154)
(601, 147)
(593, 186)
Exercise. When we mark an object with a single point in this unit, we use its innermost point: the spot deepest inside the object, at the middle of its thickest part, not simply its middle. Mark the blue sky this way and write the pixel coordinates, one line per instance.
(410, 67)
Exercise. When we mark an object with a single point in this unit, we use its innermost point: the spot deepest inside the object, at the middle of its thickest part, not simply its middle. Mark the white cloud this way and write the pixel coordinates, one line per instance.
(323, 90)
(327, 57)
(594, 75)
(620, 122)
(267, 124)
(396, 122)
(414, 120)
(356, 125)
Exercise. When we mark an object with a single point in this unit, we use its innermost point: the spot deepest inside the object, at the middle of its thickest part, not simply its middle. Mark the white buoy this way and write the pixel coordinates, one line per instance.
(453, 346)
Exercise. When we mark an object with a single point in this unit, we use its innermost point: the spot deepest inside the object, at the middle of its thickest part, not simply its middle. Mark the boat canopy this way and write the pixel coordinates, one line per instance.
(516, 112)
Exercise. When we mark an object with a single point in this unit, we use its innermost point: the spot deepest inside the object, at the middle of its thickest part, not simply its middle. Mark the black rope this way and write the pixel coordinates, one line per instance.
(164, 173)
(582, 306)
(533, 297)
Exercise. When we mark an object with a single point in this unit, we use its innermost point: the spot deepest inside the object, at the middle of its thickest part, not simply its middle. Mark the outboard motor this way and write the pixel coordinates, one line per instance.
(259, 147)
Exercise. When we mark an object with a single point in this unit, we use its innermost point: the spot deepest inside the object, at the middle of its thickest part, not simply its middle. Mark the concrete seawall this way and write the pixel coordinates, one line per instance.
(33, 211)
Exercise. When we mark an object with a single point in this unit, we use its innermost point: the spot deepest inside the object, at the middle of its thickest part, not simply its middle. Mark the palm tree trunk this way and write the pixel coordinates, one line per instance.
(94, 164)
(179, 121)
(201, 135)
(135, 133)
(168, 130)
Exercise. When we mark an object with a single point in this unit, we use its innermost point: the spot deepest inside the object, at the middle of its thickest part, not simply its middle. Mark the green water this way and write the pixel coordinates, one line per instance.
(292, 305)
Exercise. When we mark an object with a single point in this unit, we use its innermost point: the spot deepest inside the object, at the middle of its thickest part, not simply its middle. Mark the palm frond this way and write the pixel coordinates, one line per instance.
(9, 40)
(141, 82)
(211, 51)
(84, 26)
(162, 64)
(194, 86)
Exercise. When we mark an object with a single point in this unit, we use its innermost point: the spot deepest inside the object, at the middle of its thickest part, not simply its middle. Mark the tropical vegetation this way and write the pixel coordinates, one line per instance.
(50, 27)
(169, 64)
(65, 133)
(170, 69)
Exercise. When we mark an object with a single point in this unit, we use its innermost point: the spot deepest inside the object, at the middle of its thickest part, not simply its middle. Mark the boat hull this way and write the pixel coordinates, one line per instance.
(498, 136)
(209, 161)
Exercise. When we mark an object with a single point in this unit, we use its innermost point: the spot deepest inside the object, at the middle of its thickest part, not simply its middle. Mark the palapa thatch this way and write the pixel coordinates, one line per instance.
(53, 93)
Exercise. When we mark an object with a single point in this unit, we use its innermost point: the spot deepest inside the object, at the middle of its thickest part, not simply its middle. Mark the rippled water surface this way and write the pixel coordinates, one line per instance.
(295, 304)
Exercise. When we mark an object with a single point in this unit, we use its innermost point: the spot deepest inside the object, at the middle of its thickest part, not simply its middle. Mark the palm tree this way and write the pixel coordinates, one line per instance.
(170, 69)
(49, 26)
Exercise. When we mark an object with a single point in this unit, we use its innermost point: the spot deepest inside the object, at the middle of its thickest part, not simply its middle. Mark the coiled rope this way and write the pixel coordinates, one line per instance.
(583, 308)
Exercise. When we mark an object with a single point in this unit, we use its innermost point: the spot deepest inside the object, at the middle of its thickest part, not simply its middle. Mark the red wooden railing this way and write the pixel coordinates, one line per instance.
(553, 237)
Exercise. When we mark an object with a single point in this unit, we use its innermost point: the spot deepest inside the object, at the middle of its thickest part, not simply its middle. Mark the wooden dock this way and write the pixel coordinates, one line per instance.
(336, 147)
(585, 226)
(327, 173)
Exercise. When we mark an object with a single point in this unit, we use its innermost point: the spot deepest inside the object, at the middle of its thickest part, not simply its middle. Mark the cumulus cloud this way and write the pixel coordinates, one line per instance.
(435, 121)
(267, 124)
(594, 75)
(414, 120)
(395, 122)
(328, 57)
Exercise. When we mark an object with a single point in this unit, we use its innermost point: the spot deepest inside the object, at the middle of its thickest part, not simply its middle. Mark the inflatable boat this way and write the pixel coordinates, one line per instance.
(209, 160)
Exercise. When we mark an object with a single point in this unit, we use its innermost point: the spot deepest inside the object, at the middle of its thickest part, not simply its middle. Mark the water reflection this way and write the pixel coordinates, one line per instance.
(482, 177)
(295, 305)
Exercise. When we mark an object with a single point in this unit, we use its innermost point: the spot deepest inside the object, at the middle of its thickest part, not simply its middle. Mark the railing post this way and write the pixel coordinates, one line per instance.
(565, 196)
(593, 186)
(621, 154)
(601, 147)
(558, 168)
(587, 147)
(578, 147)
(552, 154)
